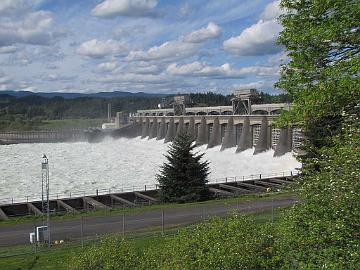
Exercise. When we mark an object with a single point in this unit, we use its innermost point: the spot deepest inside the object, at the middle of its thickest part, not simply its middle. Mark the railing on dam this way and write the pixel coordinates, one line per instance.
(146, 186)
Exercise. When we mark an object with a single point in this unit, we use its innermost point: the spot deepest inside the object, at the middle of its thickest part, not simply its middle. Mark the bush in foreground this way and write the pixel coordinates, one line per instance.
(233, 243)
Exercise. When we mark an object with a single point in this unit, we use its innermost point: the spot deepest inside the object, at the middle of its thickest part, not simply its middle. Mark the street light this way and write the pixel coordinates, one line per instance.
(45, 181)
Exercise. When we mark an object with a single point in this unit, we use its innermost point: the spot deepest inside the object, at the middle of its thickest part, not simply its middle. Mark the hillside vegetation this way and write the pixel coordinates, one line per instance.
(35, 112)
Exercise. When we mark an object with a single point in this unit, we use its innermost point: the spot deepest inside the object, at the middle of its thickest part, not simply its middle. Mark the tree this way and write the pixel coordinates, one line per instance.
(322, 39)
(184, 177)
(323, 42)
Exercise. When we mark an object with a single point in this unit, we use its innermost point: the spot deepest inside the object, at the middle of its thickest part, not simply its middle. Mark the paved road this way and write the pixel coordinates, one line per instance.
(91, 226)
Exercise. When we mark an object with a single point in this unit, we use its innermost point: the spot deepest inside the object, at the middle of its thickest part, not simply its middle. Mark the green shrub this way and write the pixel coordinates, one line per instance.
(111, 253)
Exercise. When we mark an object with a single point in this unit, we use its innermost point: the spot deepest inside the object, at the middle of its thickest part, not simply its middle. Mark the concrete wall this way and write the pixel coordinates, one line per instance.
(240, 131)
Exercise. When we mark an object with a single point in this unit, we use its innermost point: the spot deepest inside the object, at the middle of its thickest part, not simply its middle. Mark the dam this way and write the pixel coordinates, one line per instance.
(228, 126)
(131, 156)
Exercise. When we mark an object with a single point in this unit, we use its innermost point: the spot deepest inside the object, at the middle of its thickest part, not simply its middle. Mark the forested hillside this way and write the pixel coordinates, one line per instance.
(28, 112)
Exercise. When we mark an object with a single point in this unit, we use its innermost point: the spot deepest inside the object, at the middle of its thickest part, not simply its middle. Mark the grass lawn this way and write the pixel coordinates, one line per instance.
(70, 124)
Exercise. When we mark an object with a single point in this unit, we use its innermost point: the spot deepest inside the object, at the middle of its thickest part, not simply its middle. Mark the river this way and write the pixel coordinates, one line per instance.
(115, 164)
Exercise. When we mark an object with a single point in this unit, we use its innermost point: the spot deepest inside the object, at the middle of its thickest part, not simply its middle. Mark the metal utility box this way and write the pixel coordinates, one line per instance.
(41, 235)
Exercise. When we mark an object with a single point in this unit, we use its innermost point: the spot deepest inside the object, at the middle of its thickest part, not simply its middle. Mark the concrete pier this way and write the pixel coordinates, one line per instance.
(154, 129)
(245, 131)
(171, 131)
(202, 137)
(180, 127)
(191, 128)
(162, 130)
(145, 128)
(229, 138)
(284, 143)
(245, 141)
(263, 141)
(215, 136)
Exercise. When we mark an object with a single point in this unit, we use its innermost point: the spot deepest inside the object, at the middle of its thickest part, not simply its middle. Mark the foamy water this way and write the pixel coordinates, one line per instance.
(115, 164)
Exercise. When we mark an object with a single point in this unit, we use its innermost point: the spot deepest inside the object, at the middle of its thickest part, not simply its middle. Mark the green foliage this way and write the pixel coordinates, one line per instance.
(111, 253)
(236, 242)
(324, 230)
(210, 99)
(184, 177)
(322, 39)
(232, 243)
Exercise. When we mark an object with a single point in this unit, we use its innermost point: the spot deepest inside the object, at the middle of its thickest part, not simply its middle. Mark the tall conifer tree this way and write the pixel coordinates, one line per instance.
(183, 178)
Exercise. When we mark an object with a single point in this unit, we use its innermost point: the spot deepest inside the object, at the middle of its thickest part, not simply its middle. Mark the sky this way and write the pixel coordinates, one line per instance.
(152, 46)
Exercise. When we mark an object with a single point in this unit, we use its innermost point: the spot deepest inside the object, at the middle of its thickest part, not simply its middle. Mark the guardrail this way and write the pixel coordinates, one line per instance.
(150, 186)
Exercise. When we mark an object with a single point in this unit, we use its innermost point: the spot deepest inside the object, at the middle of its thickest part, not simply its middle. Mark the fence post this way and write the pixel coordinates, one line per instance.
(260, 175)
(162, 221)
(145, 187)
(123, 225)
(35, 241)
(82, 232)
(225, 179)
(272, 210)
(97, 192)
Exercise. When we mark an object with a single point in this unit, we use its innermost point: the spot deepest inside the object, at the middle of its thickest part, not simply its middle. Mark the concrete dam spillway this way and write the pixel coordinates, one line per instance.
(240, 131)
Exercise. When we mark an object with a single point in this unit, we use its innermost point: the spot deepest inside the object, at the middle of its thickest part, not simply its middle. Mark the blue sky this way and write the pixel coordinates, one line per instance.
(154, 46)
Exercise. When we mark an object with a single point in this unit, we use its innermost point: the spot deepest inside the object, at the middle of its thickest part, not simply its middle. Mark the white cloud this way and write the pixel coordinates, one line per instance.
(34, 28)
(98, 49)
(179, 48)
(169, 50)
(255, 85)
(136, 78)
(211, 31)
(258, 39)
(224, 71)
(134, 8)
(3, 78)
(107, 66)
(271, 11)
(52, 77)
(13, 7)
(8, 49)
(144, 68)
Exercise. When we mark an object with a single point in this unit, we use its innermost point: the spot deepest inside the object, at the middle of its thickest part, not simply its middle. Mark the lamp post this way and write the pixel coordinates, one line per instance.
(45, 181)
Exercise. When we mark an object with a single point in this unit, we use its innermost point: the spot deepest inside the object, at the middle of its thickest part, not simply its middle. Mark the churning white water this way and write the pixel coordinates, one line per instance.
(115, 164)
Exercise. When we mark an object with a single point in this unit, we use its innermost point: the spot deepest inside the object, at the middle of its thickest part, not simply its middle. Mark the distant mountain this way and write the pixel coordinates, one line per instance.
(77, 95)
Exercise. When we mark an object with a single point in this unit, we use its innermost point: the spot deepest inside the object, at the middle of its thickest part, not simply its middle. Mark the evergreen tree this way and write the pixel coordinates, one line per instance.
(184, 177)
